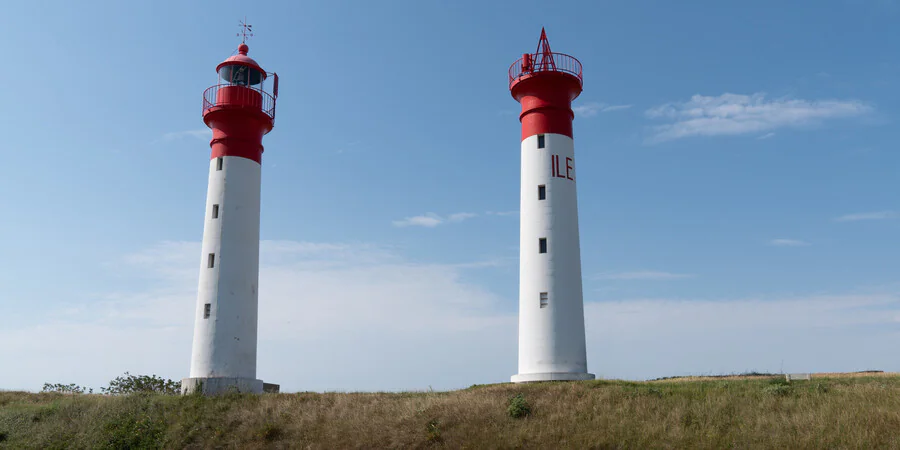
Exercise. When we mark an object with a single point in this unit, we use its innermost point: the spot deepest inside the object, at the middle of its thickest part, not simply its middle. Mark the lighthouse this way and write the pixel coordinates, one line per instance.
(240, 110)
(551, 308)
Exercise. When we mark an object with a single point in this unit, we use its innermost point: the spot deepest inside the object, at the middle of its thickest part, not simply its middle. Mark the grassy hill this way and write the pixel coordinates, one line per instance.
(827, 411)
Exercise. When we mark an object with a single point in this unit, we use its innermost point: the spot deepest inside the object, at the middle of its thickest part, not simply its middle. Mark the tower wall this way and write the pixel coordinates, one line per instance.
(225, 341)
(551, 338)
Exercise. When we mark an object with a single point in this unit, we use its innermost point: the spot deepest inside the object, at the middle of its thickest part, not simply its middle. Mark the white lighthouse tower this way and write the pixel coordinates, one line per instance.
(551, 309)
(240, 111)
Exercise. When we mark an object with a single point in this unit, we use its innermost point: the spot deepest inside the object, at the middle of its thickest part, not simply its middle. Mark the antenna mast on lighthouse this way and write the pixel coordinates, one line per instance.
(246, 30)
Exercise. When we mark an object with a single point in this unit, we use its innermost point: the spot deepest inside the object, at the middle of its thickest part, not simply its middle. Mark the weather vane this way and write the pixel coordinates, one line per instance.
(246, 31)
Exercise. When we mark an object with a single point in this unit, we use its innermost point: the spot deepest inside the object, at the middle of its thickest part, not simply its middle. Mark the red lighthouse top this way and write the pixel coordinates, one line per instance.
(239, 108)
(242, 84)
(242, 60)
(545, 83)
(542, 62)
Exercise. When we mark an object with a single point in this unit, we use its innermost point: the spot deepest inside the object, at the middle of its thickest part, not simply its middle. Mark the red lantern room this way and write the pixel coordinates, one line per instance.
(240, 107)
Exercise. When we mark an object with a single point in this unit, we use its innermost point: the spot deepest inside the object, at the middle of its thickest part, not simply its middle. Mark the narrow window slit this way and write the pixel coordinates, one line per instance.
(211, 261)
(219, 163)
(206, 309)
(543, 300)
(541, 141)
(215, 212)
(542, 192)
(542, 243)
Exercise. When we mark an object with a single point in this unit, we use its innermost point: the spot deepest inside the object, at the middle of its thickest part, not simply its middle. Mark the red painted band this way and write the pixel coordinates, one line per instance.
(238, 130)
(546, 99)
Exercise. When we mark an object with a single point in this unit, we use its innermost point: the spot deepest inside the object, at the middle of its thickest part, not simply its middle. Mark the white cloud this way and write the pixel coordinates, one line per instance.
(733, 114)
(766, 136)
(719, 336)
(459, 217)
(644, 275)
(877, 215)
(502, 213)
(200, 133)
(326, 312)
(788, 243)
(331, 312)
(431, 220)
(592, 108)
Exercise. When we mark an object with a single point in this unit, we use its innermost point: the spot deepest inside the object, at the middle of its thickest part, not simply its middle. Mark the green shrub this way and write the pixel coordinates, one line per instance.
(133, 431)
(434, 433)
(518, 407)
(70, 388)
(270, 432)
(131, 384)
(779, 387)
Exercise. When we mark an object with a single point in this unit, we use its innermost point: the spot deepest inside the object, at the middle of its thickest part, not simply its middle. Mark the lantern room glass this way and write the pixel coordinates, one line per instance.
(240, 75)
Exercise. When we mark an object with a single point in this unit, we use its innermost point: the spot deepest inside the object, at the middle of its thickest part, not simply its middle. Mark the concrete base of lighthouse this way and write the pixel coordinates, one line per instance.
(551, 376)
(221, 385)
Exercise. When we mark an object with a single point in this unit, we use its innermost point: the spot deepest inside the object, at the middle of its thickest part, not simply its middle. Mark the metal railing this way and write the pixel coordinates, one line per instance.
(557, 62)
(242, 96)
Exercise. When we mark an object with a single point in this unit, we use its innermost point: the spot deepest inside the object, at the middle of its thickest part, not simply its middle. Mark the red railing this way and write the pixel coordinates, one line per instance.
(560, 62)
(243, 96)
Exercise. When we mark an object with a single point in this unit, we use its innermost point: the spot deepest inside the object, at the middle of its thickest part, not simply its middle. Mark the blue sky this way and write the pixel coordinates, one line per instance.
(738, 179)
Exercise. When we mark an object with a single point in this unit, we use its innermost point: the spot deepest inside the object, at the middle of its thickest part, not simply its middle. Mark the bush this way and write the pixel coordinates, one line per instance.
(134, 430)
(132, 384)
(518, 407)
(270, 432)
(71, 388)
(434, 433)
(779, 387)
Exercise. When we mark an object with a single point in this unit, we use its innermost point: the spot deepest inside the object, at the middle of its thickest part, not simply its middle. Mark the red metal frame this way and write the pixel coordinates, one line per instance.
(268, 100)
(544, 60)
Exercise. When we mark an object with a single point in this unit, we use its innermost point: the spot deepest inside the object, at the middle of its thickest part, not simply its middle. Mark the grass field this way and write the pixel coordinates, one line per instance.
(828, 411)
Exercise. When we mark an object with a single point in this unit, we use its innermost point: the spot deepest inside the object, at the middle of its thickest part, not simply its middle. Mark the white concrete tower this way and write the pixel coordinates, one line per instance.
(551, 309)
(240, 111)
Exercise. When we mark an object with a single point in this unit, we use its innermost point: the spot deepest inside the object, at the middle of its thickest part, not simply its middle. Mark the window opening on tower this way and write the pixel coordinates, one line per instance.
(541, 141)
(542, 192)
(206, 309)
(544, 299)
(215, 211)
(542, 244)
(219, 163)
(211, 261)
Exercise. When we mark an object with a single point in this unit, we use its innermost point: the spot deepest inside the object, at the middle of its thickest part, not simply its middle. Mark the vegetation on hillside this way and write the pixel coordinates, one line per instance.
(849, 412)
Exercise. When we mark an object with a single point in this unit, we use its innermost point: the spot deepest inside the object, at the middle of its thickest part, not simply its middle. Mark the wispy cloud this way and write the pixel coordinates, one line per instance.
(459, 217)
(734, 114)
(431, 220)
(592, 108)
(644, 275)
(766, 136)
(788, 243)
(200, 133)
(415, 314)
(877, 215)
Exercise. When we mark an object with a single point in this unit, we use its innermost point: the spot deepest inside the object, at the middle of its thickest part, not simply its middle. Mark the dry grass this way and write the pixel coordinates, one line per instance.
(826, 412)
(868, 374)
